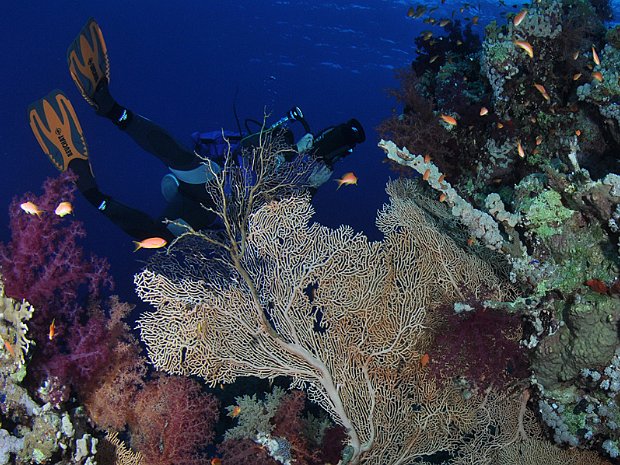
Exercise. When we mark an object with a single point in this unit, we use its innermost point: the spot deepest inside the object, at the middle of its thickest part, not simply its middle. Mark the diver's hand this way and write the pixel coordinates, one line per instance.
(305, 143)
(320, 175)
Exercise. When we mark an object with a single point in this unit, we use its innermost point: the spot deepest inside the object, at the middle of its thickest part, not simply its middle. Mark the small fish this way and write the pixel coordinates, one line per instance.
(444, 22)
(474, 20)
(500, 125)
(9, 347)
(216, 461)
(471, 241)
(411, 12)
(150, 243)
(433, 58)
(525, 45)
(236, 410)
(595, 56)
(31, 208)
(597, 286)
(576, 76)
(427, 174)
(576, 55)
(442, 197)
(347, 179)
(520, 150)
(426, 35)
(540, 88)
(518, 19)
(52, 331)
(598, 76)
(64, 208)
(448, 119)
(484, 111)
(459, 42)
(425, 360)
(539, 140)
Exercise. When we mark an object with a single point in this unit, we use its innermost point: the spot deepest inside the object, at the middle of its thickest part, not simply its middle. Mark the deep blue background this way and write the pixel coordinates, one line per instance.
(180, 65)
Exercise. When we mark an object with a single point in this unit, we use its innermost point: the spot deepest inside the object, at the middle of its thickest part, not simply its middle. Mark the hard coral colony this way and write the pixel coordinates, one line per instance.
(482, 329)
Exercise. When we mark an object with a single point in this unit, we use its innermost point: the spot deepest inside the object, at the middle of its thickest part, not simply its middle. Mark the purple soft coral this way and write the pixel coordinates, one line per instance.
(44, 264)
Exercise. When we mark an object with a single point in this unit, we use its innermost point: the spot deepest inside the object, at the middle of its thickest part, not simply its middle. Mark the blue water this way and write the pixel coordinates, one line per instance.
(181, 65)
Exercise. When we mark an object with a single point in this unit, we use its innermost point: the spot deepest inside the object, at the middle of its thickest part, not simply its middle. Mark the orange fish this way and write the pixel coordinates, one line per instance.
(427, 158)
(150, 243)
(578, 132)
(424, 360)
(441, 178)
(442, 197)
(539, 140)
(64, 208)
(427, 174)
(519, 18)
(9, 347)
(31, 208)
(520, 149)
(216, 461)
(484, 111)
(52, 332)
(348, 179)
(597, 286)
(236, 410)
(448, 119)
(595, 56)
(598, 76)
(540, 88)
(525, 45)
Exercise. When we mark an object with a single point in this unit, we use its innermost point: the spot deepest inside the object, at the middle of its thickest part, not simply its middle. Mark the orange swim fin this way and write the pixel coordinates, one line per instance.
(57, 129)
(88, 61)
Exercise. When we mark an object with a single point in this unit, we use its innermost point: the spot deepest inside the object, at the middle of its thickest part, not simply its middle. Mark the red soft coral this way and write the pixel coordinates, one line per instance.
(244, 452)
(173, 421)
(481, 346)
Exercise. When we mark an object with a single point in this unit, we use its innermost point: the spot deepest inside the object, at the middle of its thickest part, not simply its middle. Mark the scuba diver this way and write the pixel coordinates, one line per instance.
(57, 129)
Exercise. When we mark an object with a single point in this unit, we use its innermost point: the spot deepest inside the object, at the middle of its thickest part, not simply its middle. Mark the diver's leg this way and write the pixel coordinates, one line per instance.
(137, 224)
(148, 135)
